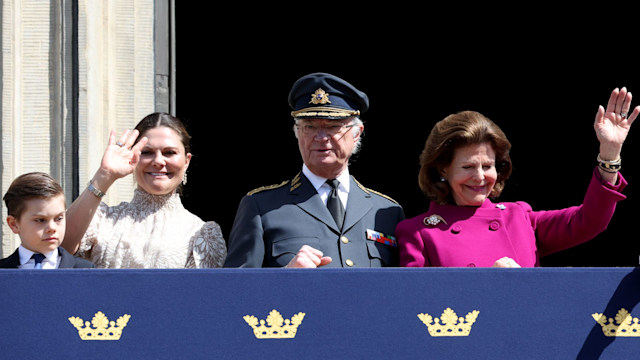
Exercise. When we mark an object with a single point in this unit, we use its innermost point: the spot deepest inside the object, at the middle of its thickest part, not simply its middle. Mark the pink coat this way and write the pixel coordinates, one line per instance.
(478, 236)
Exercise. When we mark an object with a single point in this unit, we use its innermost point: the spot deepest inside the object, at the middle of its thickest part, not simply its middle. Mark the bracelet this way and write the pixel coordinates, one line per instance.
(95, 191)
(609, 170)
(610, 166)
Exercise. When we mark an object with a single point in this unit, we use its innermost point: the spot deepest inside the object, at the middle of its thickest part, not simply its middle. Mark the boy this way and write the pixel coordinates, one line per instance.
(36, 209)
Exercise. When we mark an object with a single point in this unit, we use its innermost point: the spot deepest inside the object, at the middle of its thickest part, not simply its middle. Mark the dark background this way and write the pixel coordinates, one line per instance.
(540, 79)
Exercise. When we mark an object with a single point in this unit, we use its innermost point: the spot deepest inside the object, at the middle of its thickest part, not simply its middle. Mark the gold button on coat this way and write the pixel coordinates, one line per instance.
(349, 262)
(344, 239)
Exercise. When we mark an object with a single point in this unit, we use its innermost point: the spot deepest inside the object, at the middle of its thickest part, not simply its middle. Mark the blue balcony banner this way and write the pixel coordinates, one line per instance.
(388, 313)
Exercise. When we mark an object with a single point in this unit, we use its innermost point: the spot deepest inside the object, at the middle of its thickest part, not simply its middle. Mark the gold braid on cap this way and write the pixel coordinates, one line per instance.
(324, 111)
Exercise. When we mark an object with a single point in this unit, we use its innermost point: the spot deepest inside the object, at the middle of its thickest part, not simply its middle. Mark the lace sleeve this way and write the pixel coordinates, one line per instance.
(209, 247)
(90, 237)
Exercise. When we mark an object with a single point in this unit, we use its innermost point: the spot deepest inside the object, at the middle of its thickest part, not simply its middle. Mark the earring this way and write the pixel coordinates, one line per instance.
(184, 178)
(442, 179)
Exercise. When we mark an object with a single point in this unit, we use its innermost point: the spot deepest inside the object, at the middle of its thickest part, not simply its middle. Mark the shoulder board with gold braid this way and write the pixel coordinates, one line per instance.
(367, 190)
(295, 182)
(268, 187)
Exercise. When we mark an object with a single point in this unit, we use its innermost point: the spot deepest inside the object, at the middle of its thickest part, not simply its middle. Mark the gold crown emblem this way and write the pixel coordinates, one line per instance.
(625, 325)
(278, 328)
(102, 329)
(451, 324)
(320, 97)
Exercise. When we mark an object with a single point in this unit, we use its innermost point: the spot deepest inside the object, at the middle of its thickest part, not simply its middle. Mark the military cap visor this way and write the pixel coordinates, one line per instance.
(326, 96)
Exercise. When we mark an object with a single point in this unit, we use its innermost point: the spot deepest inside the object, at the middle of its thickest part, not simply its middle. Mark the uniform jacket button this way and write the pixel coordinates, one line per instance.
(456, 229)
(494, 225)
(344, 239)
(471, 265)
(349, 262)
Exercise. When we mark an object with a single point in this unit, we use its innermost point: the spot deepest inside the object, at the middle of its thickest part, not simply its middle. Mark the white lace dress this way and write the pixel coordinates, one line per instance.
(152, 231)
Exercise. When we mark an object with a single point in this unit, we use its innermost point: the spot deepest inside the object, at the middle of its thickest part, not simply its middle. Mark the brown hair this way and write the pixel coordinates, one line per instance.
(160, 119)
(454, 131)
(33, 185)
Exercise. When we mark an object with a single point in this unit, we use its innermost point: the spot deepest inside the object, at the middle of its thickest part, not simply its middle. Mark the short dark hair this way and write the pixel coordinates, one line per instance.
(32, 185)
(455, 131)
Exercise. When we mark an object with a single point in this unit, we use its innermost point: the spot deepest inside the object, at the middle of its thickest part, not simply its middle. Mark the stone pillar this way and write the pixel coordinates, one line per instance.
(47, 126)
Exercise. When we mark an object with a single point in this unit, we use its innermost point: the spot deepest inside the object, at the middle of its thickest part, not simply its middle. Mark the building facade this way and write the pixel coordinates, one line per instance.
(72, 70)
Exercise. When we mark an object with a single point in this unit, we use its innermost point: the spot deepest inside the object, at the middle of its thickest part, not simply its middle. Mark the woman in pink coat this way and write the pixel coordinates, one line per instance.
(465, 162)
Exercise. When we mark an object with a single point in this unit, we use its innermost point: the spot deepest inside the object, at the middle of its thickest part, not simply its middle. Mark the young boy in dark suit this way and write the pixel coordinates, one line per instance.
(36, 209)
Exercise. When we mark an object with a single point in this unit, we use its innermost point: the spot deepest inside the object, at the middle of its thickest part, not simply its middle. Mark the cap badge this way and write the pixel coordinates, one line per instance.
(320, 97)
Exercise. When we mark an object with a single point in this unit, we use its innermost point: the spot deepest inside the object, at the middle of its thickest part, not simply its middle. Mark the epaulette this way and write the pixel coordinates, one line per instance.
(367, 190)
(295, 182)
(268, 187)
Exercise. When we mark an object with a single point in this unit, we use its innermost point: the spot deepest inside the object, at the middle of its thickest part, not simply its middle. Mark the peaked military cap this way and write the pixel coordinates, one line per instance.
(326, 96)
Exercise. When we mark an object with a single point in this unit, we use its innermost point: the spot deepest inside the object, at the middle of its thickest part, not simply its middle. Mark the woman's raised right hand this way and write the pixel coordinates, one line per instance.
(121, 156)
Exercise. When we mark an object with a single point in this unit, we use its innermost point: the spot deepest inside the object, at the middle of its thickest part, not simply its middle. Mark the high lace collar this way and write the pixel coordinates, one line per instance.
(144, 201)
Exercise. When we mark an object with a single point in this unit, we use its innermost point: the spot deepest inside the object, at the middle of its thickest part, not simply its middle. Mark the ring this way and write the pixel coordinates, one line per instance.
(119, 143)
(623, 114)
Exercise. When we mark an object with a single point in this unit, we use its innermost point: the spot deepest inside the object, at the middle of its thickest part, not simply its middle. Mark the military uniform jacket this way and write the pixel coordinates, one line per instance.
(273, 223)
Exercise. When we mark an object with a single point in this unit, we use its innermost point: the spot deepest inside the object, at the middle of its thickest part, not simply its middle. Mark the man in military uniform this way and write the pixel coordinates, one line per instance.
(322, 216)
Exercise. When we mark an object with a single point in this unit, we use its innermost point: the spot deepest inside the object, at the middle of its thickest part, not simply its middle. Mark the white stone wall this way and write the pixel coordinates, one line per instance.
(116, 87)
(116, 78)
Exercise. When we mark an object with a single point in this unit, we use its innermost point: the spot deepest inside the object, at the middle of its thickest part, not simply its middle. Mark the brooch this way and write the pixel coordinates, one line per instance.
(501, 207)
(433, 220)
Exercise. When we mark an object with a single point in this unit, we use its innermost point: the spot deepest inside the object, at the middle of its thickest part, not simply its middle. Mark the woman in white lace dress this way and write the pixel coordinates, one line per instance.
(153, 230)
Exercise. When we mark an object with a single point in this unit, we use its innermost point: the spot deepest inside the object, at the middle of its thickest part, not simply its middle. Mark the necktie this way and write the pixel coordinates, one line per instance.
(38, 258)
(334, 204)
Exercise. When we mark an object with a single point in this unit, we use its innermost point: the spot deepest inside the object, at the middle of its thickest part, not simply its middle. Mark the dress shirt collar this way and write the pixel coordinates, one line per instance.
(318, 181)
(323, 189)
(50, 261)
